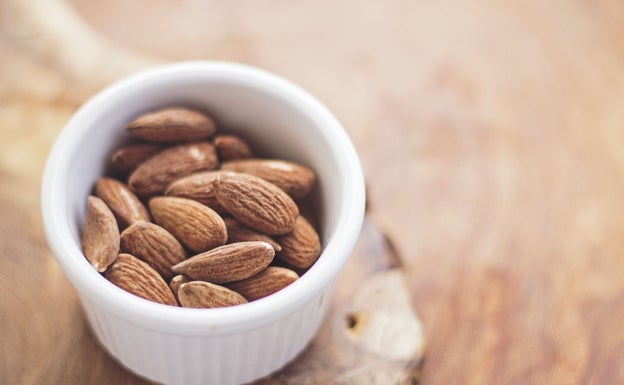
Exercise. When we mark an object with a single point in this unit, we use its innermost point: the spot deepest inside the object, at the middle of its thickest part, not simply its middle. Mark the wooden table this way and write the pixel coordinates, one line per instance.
(490, 132)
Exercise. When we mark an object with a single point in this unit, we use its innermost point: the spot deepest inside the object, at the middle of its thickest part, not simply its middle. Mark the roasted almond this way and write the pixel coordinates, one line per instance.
(231, 147)
(199, 294)
(199, 187)
(197, 226)
(301, 247)
(156, 173)
(138, 278)
(100, 234)
(176, 282)
(256, 203)
(228, 263)
(268, 281)
(154, 245)
(127, 158)
(237, 232)
(296, 180)
(172, 125)
(127, 208)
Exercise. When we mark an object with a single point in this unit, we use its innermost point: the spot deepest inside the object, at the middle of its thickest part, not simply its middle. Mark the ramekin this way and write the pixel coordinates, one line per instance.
(206, 346)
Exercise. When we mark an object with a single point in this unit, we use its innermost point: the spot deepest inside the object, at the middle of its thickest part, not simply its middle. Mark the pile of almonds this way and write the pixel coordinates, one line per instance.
(191, 218)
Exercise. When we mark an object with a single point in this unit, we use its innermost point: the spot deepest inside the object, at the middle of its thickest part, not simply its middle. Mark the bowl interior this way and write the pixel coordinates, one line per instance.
(277, 118)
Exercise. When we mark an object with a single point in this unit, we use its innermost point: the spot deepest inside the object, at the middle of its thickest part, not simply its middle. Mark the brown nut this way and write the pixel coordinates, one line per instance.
(302, 246)
(127, 158)
(100, 234)
(227, 263)
(155, 174)
(296, 180)
(256, 203)
(154, 245)
(138, 278)
(197, 226)
(231, 147)
(268, 281)
(127, 208)
(172, 125)
(199, 187)
(199, 294)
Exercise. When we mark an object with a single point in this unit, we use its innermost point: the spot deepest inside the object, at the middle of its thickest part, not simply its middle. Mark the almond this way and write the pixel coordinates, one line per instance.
(228, 263)
(154, 245)
(156, 173)
(138, 278)
(172, 125)
(199, 187)
(198, 294)
(127, 158)
(268, 281)
(237, 232)
(301, 247)
(296, 180)
(256, 203)
(176, 282)
(231, 147)
(197, 226)
(100, 234)
(127, 208)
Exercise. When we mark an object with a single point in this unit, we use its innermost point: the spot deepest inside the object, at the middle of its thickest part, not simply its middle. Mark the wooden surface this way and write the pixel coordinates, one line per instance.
(490, 133)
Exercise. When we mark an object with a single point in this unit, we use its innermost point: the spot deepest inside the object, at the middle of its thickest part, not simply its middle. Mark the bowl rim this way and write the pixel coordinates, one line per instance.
(182, 321)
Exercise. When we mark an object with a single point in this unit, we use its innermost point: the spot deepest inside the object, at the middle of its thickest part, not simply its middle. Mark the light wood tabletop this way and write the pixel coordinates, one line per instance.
(490, 133)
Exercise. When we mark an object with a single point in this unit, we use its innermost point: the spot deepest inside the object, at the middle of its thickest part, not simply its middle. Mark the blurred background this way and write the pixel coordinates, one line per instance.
(491, 134)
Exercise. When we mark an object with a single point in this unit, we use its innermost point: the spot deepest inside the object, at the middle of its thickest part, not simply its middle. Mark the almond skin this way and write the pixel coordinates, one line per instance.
(127, 208)
(155, 174)
(228, 263)
(296, 180)
(256, 203)
(138, 278)
(195, 225)
(127, 158)
(100, 234)
(301, 247)
(268, 281)
(199, 294)
(154, 245)
(199, 187)
(237, 232)
(172, 125)
(231, 147)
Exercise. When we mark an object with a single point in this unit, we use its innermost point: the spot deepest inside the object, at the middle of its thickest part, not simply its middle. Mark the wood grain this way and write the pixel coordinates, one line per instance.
(490, 133)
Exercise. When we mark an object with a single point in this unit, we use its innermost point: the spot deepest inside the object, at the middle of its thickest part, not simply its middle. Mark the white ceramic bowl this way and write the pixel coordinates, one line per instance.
(206, 346)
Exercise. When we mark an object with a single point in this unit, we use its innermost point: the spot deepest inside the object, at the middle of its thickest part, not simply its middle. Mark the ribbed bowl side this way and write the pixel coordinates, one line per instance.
(228, 359)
